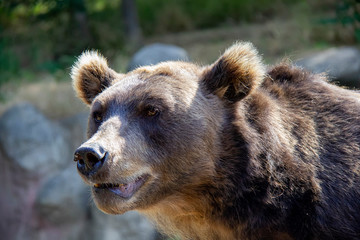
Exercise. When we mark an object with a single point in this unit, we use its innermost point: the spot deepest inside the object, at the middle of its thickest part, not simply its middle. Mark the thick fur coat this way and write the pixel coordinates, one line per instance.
(232, 150)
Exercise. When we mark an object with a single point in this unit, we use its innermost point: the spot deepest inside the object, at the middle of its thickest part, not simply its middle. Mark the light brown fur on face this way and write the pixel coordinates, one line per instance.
(226, 151)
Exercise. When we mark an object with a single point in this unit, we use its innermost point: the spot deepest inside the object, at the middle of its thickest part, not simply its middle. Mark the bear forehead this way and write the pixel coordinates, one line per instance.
(174, 69)
(170, 81)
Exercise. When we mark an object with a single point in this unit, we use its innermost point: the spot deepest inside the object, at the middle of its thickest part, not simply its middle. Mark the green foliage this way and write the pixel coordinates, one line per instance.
(342, 23)
(9, 64)
(45, 35)
(348, 14)
(158, 16)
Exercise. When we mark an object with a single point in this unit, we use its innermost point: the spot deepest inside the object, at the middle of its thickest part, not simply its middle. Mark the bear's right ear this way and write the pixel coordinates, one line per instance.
(91, 75)
(236, 73)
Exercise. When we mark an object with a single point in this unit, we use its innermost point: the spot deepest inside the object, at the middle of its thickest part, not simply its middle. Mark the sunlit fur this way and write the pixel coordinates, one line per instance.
(91, 75)
(236, 73)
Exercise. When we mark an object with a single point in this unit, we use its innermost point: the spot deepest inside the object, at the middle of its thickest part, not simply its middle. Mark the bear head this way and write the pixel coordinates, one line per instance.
(156, 131)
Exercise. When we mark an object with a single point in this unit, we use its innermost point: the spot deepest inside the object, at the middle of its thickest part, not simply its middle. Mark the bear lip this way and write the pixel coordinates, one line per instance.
(124, 190)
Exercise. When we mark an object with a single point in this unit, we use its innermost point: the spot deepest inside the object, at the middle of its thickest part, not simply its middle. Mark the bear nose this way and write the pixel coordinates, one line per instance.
(90, 159)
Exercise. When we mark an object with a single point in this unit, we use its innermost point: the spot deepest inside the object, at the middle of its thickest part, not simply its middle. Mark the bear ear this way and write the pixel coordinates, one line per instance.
(91, 75)
(236, 73)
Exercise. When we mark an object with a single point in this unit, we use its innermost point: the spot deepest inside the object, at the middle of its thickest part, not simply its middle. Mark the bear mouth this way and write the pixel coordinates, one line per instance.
(124, 190)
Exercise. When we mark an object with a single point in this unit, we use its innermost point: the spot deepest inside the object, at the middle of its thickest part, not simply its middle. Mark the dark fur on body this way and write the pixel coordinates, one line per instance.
(296, 172)
(254, 155)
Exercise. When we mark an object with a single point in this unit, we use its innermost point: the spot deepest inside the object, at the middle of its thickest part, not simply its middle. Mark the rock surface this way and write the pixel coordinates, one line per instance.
(340, 64)
(63, 198)
(31, 141)
(155, 53)
(129, 226)
(76, 127)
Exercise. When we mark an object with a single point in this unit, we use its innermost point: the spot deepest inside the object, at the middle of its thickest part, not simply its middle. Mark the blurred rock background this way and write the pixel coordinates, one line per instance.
(42, 196)
(42, 122)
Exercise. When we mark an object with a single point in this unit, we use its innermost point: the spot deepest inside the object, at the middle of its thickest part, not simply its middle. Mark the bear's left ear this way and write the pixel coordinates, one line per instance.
(91, 75)
(236, 73)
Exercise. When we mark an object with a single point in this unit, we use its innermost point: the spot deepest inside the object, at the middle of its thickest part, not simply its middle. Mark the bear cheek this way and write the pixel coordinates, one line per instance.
(181, 148)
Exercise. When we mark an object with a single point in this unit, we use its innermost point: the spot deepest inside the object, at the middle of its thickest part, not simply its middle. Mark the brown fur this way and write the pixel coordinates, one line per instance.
(226, 151)
(91, 76)
(236, 73)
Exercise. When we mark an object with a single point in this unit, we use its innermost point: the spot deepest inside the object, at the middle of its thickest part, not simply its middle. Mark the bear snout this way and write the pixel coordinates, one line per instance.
(90, 158)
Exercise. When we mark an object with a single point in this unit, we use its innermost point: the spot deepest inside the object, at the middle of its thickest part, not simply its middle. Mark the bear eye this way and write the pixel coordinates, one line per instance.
(97, 117)
(151, 111)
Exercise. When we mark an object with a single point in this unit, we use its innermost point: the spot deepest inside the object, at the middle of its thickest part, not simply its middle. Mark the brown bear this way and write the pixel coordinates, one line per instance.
(233, 150)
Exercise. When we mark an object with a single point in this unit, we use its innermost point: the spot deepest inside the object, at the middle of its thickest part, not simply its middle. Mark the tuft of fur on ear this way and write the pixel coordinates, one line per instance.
(91, 75)
(236, 73)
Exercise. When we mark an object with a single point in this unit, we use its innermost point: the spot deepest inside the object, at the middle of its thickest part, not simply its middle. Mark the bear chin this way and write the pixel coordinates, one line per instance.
(108, 202)
(120, 198)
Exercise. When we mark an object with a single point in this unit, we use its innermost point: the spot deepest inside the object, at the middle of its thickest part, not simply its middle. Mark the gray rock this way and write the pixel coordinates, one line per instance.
(128, 226)
(76, 126)
(63, 199)
(155, 53)
(341, 64)
(16, 201)
(31, 141)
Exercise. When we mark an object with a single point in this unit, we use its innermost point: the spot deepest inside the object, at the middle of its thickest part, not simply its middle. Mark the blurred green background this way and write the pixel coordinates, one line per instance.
(40, 39)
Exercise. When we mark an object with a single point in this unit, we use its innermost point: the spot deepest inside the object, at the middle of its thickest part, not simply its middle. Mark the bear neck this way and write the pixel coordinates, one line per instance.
(256, 175)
